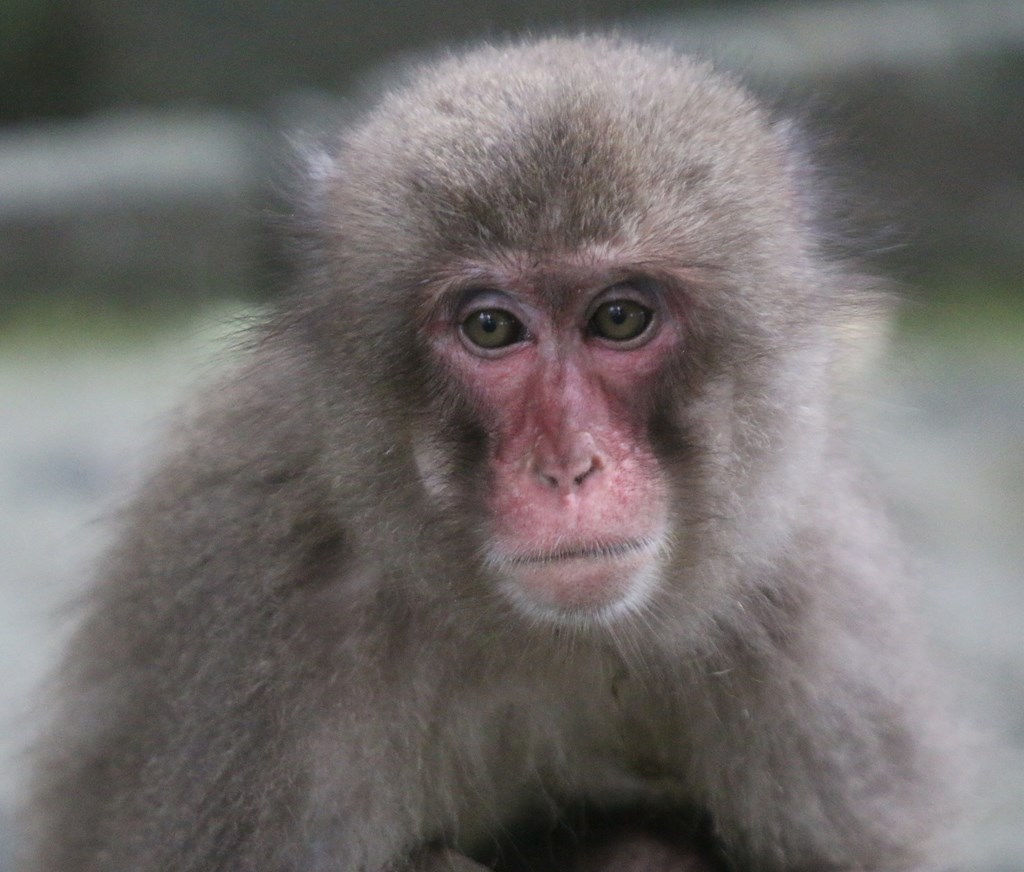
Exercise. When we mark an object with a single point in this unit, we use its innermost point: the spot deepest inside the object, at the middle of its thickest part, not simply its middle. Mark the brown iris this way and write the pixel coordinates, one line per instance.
(620, 320)
(492, 328)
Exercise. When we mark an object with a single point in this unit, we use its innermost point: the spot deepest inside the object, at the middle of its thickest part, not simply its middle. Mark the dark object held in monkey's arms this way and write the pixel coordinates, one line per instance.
(527, 533)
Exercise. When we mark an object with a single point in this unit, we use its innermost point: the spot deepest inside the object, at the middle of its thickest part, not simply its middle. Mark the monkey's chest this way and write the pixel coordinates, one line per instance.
(624, 750)
(547, 749)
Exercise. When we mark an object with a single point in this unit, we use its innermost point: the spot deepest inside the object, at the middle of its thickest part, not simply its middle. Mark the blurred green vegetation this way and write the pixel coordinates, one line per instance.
(967, 319)
(46, 324)
(974, 321)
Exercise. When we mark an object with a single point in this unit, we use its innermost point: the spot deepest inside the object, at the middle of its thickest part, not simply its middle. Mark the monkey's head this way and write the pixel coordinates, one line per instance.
(579, 296)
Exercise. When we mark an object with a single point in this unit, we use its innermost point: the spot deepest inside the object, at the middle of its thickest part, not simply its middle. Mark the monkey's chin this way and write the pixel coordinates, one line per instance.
(587, 586)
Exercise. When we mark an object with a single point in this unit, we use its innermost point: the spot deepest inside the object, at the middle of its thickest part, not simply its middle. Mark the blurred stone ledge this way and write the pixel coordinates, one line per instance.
(805, 40)
(928, 95)
(129, 205)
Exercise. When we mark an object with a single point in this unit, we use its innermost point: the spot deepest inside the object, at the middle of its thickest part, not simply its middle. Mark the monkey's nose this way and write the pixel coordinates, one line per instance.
(566, 470)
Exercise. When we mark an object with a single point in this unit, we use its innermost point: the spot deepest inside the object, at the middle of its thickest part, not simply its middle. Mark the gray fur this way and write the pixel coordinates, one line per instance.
(296, 658)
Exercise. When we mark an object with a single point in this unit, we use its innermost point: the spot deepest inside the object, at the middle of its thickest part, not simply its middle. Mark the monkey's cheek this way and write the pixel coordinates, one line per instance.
(587, 589)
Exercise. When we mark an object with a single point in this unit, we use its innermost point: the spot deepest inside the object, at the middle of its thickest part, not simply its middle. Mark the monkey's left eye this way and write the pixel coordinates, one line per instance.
(620, 320)
(492, 328)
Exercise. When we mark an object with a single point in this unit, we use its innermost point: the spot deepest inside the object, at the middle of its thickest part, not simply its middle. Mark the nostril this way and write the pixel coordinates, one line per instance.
(593, 465)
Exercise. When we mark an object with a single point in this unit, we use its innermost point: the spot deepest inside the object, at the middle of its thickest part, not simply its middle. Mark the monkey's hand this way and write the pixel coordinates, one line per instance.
(636, 851)
(441, 859)
(630, 850)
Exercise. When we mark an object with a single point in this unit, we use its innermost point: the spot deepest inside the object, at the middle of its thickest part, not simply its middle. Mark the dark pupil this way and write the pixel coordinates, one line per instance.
(618, 314)
(620, 320)
(488, 323)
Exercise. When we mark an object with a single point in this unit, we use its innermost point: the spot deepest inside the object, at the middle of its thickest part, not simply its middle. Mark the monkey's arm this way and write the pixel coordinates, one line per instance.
(822, 747)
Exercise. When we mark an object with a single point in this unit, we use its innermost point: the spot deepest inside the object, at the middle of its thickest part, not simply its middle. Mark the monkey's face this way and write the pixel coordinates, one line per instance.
(556, 367)
(611, 370)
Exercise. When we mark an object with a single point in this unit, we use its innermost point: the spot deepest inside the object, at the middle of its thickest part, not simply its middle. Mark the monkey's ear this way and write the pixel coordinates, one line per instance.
(798, 167)
(793, 139)
(862, 317)
(315, 164)
(321, 166)
(312, 174)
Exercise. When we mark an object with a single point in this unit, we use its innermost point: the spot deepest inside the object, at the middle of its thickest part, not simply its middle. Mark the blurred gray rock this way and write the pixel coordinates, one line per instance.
(923, 99)
(131, 206)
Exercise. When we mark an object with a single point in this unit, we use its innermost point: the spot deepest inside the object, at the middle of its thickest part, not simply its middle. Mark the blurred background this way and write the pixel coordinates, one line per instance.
(136, 141)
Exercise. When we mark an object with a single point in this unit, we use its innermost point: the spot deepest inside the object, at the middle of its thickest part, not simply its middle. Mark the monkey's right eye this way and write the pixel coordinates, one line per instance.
(492, 328)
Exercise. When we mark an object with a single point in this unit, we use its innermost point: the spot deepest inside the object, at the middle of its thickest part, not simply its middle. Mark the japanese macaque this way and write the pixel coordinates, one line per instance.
(526, 533)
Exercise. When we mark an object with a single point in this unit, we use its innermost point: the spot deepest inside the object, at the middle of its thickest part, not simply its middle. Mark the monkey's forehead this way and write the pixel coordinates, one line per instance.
(516, 76)
(560, 142)
(557, 90)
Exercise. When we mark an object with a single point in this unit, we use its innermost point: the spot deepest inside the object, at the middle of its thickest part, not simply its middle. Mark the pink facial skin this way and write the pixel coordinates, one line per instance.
(577, 503)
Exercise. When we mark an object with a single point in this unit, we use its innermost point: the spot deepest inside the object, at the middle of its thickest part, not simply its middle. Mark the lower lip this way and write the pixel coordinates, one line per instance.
(580, 584)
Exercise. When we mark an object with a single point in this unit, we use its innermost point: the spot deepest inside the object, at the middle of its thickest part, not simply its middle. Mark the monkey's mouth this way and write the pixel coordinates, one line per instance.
(583, 581)
(590, 551)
